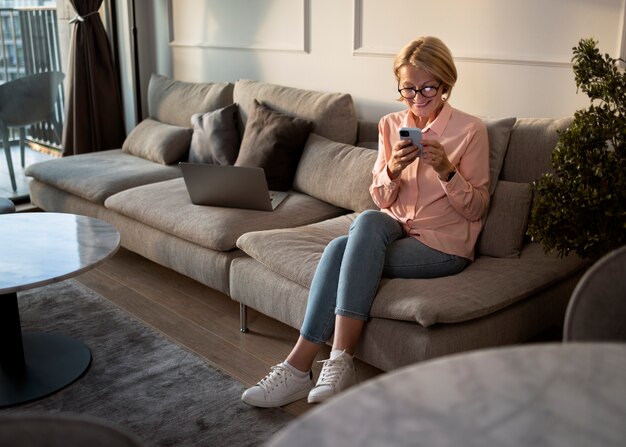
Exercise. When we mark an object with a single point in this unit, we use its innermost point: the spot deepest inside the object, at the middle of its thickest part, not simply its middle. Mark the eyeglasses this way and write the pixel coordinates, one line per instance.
(428, 91)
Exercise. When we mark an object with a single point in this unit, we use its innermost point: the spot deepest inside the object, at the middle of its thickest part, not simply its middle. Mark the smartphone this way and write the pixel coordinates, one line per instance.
(414, 135)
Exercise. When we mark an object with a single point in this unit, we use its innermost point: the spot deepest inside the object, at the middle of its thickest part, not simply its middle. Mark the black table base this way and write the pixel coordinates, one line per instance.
(34, 365)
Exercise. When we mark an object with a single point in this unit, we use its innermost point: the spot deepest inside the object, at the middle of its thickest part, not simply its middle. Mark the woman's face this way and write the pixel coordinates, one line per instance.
(425, 110)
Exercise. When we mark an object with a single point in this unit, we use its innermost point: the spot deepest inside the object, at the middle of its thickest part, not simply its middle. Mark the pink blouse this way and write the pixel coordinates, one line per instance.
(446, 216)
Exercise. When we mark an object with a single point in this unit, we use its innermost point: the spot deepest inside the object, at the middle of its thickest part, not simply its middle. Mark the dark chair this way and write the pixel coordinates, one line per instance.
(597, 308)
(27, 101)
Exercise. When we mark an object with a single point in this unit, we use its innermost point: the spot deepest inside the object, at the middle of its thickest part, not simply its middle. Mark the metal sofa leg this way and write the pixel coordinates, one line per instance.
(243, 317)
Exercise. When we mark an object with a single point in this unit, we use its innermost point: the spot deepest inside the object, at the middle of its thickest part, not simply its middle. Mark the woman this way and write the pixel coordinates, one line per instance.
(431, 211)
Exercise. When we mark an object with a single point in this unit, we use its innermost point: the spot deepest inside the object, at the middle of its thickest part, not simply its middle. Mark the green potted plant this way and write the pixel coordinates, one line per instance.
(581, 206)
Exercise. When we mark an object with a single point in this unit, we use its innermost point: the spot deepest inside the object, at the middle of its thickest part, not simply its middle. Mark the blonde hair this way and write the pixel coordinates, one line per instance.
(430, 54)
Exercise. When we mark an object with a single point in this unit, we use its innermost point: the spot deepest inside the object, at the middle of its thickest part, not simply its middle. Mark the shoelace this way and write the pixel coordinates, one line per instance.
(278, 374)
(332, 370)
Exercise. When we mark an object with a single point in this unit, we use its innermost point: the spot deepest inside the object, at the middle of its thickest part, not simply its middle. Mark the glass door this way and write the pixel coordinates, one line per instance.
(29, 45)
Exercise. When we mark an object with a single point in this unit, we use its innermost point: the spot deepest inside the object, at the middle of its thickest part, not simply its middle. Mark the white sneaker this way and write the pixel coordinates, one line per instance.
(337, 375)
(280, 387)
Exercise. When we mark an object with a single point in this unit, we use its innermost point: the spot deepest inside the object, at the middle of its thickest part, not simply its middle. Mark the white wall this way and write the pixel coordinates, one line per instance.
(513, 57)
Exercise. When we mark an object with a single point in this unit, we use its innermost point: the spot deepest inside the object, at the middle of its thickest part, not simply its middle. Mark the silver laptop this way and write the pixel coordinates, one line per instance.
(230, 186)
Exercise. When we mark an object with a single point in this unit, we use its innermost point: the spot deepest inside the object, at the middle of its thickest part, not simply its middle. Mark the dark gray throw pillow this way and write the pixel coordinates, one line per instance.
(215, 138)
(506, 221)
(273, 141)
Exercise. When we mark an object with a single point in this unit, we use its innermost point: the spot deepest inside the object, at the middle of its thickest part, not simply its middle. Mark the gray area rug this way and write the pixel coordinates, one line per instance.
(138, 379)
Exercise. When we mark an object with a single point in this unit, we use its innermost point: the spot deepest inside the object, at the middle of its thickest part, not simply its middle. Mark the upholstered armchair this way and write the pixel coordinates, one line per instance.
(597, 308)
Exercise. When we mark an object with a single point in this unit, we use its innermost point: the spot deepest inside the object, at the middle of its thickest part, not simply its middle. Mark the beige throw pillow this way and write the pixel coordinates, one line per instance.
(158, 142)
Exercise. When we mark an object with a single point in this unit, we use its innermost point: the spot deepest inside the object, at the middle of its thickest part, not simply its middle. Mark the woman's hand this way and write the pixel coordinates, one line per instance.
(403, 154)
(433, 154)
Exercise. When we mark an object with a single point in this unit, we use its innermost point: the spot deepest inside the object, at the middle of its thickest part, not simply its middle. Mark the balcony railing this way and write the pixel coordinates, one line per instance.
(29, 44)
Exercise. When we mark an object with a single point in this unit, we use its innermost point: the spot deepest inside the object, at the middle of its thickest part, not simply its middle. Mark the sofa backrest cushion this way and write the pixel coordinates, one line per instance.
(158, 142)
(333, 162)
(336, 173)
(273, 141)
(530, 148)
(174, 102)
(506, 221)
(332, 114)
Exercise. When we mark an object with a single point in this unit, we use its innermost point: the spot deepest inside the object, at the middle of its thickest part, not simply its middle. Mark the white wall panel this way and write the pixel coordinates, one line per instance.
(513, 56)
(530, 32)
(242, 24)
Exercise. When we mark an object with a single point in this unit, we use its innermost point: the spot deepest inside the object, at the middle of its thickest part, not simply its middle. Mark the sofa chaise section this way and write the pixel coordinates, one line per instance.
(512, 292)
(391, 343)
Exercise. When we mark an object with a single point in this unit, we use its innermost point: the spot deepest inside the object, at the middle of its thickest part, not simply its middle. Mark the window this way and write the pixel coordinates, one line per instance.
(29, 44)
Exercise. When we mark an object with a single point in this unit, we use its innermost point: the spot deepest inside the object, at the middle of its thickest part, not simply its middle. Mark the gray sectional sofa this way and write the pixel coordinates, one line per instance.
(265, 260)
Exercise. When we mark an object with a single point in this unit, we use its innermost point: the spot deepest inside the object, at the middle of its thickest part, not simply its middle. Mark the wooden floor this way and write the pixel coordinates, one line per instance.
(201, 319)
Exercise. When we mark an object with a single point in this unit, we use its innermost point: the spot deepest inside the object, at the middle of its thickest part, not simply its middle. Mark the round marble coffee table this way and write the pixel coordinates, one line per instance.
(37, 249)
(567, 395)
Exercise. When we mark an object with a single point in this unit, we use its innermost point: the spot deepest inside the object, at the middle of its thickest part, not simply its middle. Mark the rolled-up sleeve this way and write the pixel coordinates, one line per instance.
(468, 190)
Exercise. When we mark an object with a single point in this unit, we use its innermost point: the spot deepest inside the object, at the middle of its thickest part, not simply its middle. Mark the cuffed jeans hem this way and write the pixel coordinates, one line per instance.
(351, 314)
(312, 339)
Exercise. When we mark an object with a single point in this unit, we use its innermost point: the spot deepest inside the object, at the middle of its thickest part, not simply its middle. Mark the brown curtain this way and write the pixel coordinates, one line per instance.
(95, 119)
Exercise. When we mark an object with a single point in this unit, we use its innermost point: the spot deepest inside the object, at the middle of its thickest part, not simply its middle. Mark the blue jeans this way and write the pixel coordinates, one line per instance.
(349, 272)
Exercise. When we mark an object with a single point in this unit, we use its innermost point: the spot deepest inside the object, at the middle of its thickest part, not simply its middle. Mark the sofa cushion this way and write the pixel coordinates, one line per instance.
(346, 172)
(273, 141)
(485, 286)
(173, 102)
(301, 247)
(499, 132)
(166, 206)
(332, 114)
(506, 220)
(531, 139)
(98, 175)
(158, 142)
(215, 137)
